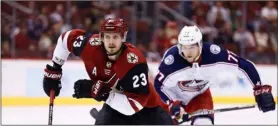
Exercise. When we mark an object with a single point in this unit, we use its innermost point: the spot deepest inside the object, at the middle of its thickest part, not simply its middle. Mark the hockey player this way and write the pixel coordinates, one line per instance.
(186, 72)
(118, 73)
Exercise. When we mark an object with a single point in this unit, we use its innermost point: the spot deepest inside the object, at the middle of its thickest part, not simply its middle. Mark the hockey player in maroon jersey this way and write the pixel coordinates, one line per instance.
(118, 73)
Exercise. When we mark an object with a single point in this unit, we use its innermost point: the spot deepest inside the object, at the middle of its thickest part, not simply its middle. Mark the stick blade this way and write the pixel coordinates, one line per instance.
(94, 113)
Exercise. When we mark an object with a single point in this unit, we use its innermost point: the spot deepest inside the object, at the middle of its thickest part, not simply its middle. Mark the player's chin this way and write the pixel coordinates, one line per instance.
(190, 60)
(111, 51)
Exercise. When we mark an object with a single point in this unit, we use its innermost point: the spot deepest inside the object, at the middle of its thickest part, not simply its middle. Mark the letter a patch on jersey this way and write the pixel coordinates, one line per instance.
(94, 71)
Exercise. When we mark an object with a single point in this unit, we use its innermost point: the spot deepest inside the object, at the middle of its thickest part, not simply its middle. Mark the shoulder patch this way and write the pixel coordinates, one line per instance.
(215, 49)
(132, 58)
(94, 41)
(169, 60)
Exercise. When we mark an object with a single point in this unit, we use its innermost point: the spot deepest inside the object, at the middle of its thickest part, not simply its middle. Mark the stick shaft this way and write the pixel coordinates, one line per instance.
(234, 108)
(220, 110)
(51, 103)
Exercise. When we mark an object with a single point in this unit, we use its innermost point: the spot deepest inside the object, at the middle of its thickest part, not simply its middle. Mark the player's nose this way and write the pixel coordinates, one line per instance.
(111, 42)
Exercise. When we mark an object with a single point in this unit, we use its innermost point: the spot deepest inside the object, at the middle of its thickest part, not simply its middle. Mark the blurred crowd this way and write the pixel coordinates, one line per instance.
(35, 35)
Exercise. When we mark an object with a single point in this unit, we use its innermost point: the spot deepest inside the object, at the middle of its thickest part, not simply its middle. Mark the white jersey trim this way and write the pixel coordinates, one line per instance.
(120, 103)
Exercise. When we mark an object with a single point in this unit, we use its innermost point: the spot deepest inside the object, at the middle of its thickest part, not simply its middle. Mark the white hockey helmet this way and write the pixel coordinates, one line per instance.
(190, 35)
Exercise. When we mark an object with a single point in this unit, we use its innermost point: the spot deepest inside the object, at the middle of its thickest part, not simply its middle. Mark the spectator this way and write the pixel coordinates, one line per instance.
(5, 49)
(225, 35)
(43, 16)
(273, 37)
(209, 32)
(218, 14)
(44, 43)
(160, 40)
(236, 14)
(261, 38)
(5, 34)
(56, 31)
(142, 35)
(23, 43)
(198, 9)
(22, 40)
(56, 16)
(221, 25)
(35, 27)
(269, 12)
(171, 32)
(152, 54)
(244, 38)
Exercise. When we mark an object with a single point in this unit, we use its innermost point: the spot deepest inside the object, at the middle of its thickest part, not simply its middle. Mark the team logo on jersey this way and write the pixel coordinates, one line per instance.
(108, 64)
(215, 49)
(132, 58)
(94, 41)
(169, 60)
(192, 85)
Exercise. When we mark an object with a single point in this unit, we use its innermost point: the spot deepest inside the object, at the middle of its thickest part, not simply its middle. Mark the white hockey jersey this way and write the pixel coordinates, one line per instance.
(178, 79)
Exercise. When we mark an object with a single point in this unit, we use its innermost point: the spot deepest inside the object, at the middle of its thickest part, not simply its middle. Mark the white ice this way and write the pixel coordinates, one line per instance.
(79, 115)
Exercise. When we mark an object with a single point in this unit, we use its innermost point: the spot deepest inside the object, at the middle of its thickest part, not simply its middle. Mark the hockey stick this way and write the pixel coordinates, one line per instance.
(52, 96)
(94, 111)
(216, 111)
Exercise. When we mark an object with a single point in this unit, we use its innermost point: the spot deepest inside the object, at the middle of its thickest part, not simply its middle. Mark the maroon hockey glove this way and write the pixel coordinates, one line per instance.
(52, 79)
(264, 98)
(98, 91)
(89, 89)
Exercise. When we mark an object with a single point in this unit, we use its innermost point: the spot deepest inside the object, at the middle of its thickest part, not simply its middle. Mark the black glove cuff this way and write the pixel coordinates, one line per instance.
(56, 65)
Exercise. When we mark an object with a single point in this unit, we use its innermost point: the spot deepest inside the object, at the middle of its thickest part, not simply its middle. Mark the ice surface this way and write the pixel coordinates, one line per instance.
(74, 115)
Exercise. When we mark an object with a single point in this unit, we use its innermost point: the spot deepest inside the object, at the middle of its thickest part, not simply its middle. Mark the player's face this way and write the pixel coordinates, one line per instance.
(190, 52)
(112, 42)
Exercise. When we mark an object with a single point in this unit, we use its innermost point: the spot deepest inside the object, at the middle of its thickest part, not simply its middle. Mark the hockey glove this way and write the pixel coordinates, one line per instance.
(52, 79)
(177, 111)
(264, 98)
(89, 89)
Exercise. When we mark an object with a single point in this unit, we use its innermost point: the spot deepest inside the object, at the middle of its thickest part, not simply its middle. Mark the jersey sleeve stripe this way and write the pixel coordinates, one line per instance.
(65, 41)
(168, 96)
(247, 76)
(135, 105)
(63, 35)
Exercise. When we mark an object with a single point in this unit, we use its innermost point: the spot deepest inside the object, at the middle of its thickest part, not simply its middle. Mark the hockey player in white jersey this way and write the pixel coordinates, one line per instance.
(186, 72)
